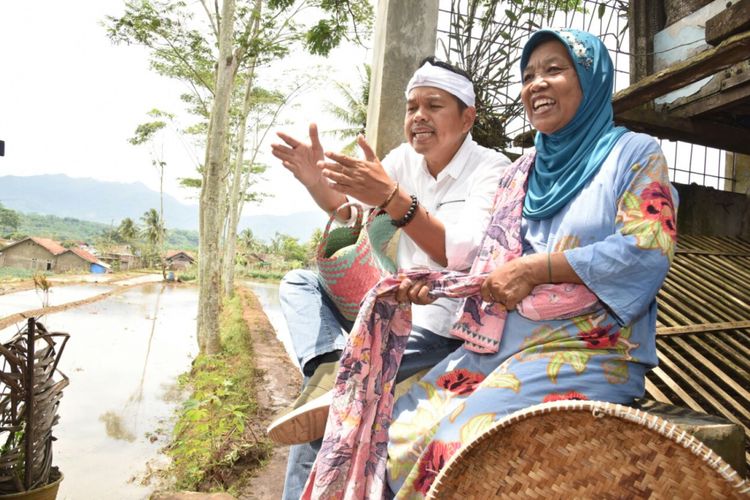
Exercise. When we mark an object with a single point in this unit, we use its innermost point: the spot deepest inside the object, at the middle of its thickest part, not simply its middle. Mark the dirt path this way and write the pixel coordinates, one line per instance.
(281, 382)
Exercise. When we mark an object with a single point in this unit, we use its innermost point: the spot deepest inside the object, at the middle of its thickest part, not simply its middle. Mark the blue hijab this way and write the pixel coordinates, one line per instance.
(569, 157)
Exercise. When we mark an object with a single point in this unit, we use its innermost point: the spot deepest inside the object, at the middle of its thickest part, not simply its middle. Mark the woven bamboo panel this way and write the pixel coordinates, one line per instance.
(703, 330)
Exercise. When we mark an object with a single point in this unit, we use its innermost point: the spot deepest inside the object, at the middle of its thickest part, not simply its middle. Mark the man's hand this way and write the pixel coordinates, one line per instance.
(414, 292)
(300, 158)
(365, 180)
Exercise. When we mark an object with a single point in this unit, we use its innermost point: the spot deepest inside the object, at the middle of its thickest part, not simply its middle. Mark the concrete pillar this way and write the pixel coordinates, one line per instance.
(741, 173)
(405, 32)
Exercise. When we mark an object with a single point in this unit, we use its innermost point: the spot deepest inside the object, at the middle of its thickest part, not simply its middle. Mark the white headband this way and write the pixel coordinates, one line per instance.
(435, 76)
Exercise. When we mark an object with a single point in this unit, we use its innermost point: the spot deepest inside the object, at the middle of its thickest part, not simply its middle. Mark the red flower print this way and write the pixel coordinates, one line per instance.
(657, 205)
(600, 337)
(460, 381)
(432, 461)
(562, 396)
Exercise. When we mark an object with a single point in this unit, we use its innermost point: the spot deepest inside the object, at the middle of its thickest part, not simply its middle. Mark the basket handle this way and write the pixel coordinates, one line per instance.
(357, 223)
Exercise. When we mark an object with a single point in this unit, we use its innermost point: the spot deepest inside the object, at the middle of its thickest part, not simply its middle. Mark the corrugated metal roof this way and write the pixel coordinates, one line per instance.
(703, 330)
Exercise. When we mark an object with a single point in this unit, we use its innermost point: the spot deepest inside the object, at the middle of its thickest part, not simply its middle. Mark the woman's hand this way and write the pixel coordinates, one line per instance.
(365, 180)
(513, 281)
(415, 292)
(299, 158)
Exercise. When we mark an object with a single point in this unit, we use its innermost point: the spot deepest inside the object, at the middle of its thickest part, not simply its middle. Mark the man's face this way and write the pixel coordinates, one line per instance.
(434, 125)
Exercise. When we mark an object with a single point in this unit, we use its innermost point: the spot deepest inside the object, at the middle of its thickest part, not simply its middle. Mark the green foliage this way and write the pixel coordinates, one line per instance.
(9, 220)
(70, 229)
(328, 33)
(486, 37)
(288, 248)
(18, 274)
(211, 434)
(353, 113)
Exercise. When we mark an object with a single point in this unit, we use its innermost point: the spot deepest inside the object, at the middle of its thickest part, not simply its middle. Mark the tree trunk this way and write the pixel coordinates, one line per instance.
(162, 228)
(213, 187)
(230, 243)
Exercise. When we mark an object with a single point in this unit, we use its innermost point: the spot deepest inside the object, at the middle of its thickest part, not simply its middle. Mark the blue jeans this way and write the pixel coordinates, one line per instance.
(317, 328)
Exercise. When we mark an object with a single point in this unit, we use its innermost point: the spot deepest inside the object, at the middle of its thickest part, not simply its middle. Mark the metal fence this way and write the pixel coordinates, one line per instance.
(486, 40)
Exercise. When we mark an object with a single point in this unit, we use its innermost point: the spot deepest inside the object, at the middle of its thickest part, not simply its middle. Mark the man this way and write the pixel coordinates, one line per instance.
(438, 188)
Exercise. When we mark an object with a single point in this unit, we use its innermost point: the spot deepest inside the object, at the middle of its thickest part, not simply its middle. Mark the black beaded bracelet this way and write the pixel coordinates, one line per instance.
(409, 215)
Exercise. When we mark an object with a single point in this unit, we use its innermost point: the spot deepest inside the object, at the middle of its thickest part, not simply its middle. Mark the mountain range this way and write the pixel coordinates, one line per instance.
(110, 202)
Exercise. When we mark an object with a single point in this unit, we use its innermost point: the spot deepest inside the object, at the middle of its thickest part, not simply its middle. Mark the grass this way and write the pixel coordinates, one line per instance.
(212, 441)
(18, 274)
(262, 274)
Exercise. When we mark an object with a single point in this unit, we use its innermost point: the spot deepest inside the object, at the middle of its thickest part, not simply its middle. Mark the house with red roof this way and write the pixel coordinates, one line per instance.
(43, 254)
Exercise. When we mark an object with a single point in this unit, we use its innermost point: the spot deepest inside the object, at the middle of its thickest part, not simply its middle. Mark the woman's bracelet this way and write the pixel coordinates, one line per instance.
(549, 267)
(409, 215)
(389, 198)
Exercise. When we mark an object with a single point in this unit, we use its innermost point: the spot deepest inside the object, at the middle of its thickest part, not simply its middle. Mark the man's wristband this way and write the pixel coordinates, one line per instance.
(389, 198)
(409, 215)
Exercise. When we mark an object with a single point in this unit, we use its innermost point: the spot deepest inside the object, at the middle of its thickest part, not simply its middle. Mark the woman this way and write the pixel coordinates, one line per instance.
(597, 219)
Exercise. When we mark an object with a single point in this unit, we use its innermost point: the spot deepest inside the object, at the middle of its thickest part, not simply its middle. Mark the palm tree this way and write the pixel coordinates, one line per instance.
(354, 112)
(154, 232)
(127, 230)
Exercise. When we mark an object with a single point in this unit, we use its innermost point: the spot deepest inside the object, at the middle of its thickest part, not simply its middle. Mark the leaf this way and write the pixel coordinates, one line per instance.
(615, 371)
(476, 426)
(502, 381)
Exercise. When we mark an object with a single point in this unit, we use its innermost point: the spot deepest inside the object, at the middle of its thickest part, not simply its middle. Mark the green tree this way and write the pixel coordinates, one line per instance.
(312, 246)
(148, 133)
(353, 113)
(243, 36)
(288, 248)
(485, 37)
(9, 220)
(153, 232)
(127, 230)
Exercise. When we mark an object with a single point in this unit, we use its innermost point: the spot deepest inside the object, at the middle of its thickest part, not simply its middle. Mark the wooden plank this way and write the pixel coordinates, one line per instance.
(736, 365)
(685, 399)
(706, 63)
(707, 327)
(653, 392)
(701, 385)
(719, 372)
(711, 252)
(703, 132)
(714, 103)
(730, 21)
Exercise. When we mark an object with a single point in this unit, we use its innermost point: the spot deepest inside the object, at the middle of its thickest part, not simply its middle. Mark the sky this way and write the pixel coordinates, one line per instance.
(70, 99)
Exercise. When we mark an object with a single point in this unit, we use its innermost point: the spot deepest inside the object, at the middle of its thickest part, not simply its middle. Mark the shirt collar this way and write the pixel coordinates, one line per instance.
(456, 166)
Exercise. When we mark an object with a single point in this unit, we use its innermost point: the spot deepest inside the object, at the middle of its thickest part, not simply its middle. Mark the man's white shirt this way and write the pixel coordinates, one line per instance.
(461, 198)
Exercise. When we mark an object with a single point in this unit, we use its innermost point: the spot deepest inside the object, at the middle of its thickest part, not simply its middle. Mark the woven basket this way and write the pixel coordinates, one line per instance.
(586, 449)
(351, 260)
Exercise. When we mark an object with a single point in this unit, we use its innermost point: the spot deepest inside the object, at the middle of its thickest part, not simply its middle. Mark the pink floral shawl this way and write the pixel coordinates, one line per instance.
(352, 461)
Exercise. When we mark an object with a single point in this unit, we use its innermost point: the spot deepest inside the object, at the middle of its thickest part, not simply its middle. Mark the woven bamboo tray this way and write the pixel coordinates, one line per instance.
(586, 449)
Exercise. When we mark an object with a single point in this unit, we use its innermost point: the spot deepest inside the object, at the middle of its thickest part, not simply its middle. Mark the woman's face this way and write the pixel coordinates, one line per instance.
(551, 93)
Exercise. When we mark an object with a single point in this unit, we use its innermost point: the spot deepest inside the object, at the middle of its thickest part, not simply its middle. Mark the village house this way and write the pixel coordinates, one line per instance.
(120, 258)
(43, 254)
(179, 260)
